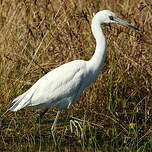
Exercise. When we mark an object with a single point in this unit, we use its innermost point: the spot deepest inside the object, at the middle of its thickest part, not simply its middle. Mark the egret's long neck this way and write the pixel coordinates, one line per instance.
(97, 60)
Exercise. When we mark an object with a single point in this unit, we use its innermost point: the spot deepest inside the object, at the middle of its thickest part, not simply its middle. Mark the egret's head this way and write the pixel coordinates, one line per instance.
(107, 16)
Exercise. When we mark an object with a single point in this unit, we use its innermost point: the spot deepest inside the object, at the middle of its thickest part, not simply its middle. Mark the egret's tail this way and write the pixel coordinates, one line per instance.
(22, 101)
(14, 106)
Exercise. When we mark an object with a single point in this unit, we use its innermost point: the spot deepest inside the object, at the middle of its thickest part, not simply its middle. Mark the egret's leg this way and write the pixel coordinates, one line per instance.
(41, 115)
(53, 128)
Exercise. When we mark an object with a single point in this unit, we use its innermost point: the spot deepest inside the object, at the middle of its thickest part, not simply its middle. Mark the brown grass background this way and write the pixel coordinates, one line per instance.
(38, 36)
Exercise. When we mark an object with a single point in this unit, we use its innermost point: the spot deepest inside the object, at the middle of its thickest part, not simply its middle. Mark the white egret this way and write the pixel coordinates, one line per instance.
(62, 86)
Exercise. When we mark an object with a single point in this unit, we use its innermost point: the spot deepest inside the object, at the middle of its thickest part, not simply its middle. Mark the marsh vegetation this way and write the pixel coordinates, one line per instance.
(115, 113)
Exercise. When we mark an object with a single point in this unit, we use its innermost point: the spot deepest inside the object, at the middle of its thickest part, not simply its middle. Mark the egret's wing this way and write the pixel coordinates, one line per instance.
(60, 83)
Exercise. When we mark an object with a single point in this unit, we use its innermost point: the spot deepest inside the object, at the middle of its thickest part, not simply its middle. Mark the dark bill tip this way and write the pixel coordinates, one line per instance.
(133, 27)
(119, 21)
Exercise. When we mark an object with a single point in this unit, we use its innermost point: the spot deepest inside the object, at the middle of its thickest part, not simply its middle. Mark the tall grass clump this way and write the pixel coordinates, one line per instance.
(115, 113)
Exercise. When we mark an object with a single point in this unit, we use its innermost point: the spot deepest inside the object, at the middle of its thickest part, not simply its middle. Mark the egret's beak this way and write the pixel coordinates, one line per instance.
(119, 21)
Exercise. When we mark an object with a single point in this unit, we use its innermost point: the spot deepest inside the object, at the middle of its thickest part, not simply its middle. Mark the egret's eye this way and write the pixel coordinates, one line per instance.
(111, 18)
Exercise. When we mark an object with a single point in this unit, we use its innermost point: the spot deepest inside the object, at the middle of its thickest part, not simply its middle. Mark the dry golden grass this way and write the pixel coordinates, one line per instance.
(37, 36)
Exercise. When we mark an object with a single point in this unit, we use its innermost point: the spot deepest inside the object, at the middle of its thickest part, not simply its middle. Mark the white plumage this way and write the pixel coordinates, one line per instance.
(63, 85)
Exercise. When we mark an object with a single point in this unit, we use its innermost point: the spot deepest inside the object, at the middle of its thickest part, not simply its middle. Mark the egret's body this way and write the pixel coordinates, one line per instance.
(63, 85)
(58, 88)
